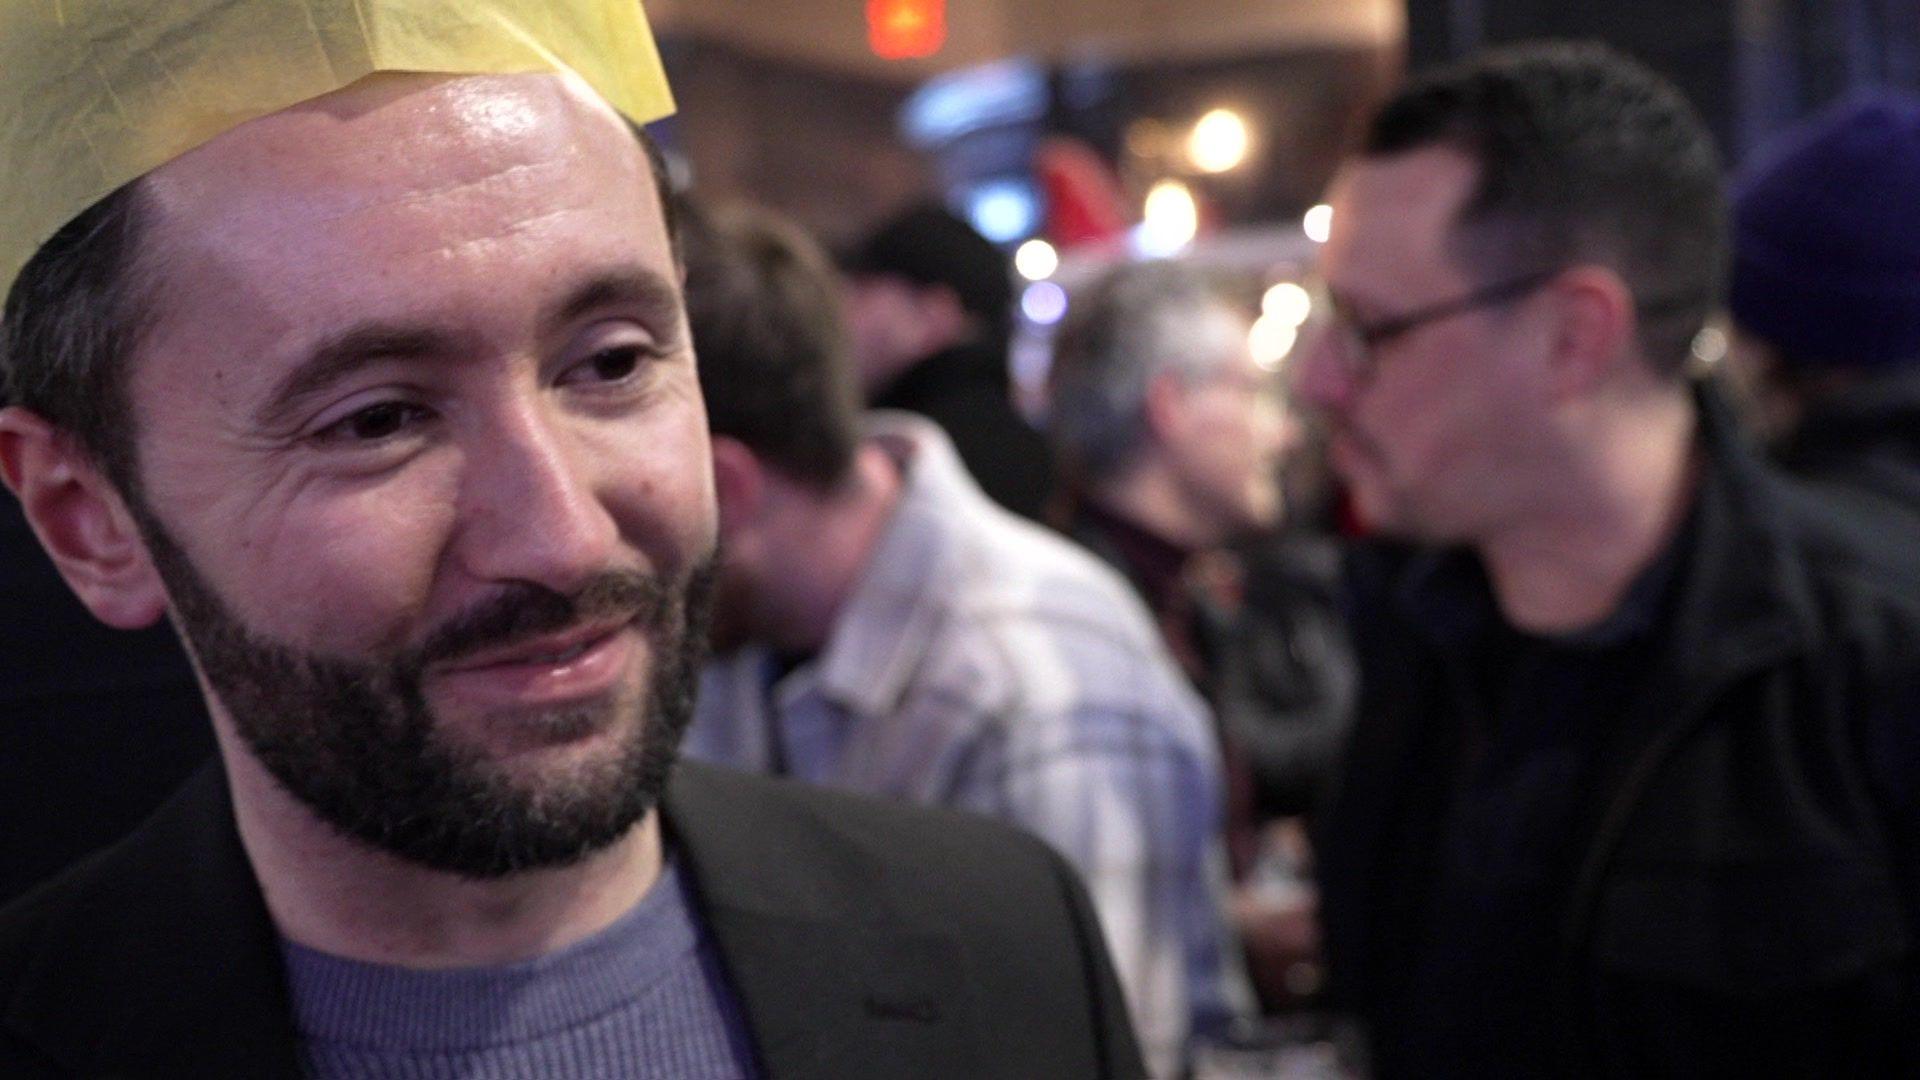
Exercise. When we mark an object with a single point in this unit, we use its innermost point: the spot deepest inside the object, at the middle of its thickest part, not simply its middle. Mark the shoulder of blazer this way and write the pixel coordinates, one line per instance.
(154, 957)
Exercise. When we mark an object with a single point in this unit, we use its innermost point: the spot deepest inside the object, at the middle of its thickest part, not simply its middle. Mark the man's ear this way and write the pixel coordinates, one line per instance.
(1595, 330)
(740, 486)
(81, 521)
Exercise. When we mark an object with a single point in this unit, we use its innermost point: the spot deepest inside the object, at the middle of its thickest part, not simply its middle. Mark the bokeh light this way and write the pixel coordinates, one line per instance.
(1036, 260)
(1270, 340)
(1318, 223)
(1288, 303)
(1044, 303)
(1172, 220)
(1218, 142)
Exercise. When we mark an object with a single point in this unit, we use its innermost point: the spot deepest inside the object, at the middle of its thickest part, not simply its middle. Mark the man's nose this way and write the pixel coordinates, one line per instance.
(533, 509)
(1318, 377)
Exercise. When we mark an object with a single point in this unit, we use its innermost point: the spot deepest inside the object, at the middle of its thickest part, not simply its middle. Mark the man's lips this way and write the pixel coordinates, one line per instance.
(546, 650)
(581, 663)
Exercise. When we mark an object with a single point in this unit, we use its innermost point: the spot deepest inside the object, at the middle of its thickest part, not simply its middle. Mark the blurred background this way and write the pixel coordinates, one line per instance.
(1042, 118)
(1078, 133)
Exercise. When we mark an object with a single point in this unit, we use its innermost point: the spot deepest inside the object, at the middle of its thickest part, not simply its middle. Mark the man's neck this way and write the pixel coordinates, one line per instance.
(1569, 562)
(829, 547)
(342, 897)
(1148, 496)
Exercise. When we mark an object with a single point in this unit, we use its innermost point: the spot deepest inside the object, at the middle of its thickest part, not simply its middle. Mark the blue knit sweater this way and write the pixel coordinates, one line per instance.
(643, 998)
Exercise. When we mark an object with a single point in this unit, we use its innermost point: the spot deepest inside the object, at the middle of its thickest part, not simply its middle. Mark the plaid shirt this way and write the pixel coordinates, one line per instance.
(985, 664)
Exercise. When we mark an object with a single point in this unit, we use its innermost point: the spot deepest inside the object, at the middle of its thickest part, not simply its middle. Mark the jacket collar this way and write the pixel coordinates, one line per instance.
(164, 962)
(901, 598)
(1745, 597)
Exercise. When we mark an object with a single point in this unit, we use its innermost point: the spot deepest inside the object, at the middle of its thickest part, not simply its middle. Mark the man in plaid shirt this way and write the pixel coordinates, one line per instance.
(885, 628)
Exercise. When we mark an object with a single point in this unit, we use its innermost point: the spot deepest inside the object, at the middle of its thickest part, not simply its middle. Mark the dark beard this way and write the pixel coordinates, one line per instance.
(356, 742)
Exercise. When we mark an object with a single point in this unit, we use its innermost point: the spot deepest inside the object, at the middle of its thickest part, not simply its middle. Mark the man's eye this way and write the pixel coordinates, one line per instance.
(617, 363)
(374, 422)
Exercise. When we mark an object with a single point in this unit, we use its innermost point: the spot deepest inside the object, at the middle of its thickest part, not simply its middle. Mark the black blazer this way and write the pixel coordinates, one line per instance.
(863, 940)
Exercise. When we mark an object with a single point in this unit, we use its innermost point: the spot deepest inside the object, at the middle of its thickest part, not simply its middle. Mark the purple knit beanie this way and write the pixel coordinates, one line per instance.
(1826, 237)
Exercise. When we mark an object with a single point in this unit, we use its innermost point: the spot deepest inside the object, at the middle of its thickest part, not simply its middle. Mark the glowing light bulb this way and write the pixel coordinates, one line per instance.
(1218, 141)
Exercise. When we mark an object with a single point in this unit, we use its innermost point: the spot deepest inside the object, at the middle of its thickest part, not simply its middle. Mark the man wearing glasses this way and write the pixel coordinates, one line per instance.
(1631, 788)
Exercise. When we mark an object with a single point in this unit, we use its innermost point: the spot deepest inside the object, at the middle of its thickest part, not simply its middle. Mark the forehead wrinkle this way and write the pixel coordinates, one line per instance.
(414, 196)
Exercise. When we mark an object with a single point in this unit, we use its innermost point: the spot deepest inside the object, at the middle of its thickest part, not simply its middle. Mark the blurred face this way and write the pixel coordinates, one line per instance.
(1233, 436)
(890, 327)
(424, 465)
(1427, 427)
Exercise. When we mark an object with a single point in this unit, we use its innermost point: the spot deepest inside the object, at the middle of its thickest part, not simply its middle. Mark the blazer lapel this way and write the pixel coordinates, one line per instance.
(832, 983)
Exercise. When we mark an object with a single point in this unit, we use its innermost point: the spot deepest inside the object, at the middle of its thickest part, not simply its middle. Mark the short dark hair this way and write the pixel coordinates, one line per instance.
(928, 245)
(1584, 155)
(81, 305)
(74, 315)
(763, 304)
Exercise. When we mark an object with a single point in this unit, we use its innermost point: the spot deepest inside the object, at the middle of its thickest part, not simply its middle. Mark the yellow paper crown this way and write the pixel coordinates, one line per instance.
(94, 93)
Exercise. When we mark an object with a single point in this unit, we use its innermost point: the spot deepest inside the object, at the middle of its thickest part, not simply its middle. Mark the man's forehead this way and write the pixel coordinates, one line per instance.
(1393, 216)
(460, 204)
(397, 133)
(368, 174)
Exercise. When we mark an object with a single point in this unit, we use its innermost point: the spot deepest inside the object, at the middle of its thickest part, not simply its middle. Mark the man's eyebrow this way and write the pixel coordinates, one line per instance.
(341, 355)
(656, 298)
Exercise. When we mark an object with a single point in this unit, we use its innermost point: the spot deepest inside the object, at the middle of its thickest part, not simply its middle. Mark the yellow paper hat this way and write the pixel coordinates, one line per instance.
(94, 93)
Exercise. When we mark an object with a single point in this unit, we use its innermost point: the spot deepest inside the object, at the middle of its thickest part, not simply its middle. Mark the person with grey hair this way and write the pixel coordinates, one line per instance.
(1170, 439)
(1158, 412)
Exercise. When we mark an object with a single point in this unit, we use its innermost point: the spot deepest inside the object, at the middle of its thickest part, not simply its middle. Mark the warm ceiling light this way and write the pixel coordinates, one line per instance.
(906, 29)
(1218, 142)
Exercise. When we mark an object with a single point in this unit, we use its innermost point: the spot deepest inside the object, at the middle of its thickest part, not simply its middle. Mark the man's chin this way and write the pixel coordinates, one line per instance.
(578, 728)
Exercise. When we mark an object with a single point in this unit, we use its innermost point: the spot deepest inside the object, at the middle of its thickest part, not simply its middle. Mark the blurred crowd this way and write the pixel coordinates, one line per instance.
(1572, 728)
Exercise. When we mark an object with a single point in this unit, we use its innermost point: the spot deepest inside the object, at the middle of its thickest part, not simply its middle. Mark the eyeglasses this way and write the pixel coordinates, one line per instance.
(1359, 342)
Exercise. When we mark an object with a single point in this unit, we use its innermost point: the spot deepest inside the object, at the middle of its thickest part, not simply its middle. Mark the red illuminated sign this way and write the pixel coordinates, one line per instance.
(906, 29)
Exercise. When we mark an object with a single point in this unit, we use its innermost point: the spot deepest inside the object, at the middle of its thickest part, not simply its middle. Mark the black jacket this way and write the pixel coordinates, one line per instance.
(1865, 443)
(863, 940)
(1744, 895)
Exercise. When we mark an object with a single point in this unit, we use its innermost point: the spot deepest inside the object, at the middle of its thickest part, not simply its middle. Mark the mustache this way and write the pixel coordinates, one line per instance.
(525, 610)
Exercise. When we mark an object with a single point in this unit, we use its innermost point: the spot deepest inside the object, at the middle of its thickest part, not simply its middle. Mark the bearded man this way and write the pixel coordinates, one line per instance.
(349, 338)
